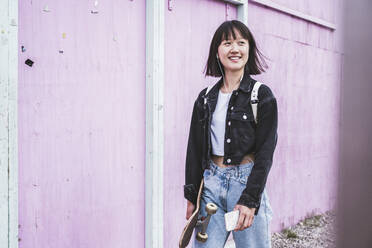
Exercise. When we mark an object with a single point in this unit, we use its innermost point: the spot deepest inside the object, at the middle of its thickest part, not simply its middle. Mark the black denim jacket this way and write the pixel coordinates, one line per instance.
(245, 137)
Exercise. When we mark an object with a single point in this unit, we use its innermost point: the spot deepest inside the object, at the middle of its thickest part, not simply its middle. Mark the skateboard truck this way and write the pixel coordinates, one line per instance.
(194, 221)
(211, 209)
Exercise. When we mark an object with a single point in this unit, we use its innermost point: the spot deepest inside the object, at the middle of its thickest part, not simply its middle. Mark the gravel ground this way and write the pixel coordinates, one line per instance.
(314, 232)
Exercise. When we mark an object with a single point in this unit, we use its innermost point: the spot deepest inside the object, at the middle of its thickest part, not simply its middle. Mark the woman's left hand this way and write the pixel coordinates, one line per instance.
(246, 216)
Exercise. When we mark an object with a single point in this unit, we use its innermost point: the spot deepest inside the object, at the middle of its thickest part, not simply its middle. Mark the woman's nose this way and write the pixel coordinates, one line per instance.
(234, 47)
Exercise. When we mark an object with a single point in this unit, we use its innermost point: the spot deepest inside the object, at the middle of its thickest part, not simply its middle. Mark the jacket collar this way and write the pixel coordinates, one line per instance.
(245, 85)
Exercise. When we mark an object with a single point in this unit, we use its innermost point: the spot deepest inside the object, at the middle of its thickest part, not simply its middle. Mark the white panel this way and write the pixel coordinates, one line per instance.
(8, 123)
(13, 120)
(4, 79)
(154, 122)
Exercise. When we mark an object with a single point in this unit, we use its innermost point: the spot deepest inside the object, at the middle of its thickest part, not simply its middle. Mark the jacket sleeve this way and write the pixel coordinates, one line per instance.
(266, 138)
(193, 168)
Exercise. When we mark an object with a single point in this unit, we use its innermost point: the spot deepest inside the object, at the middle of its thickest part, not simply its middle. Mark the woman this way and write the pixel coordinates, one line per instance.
(227, 146)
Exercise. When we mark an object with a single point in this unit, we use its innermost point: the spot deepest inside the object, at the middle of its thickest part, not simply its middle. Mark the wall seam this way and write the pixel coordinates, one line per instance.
(295, 13)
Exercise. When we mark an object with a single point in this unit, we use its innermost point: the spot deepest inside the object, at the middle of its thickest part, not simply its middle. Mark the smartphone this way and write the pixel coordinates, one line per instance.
(231, 219)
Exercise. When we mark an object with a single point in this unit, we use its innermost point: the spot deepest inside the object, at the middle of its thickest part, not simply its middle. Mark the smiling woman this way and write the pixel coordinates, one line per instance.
(232, 139)
(232, 33)
(233, 54)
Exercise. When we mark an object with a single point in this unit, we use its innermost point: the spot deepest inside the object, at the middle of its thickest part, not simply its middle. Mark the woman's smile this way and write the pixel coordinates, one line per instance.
(234, 58)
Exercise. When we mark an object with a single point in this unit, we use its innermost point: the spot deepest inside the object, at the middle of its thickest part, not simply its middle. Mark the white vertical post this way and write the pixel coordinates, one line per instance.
(4, 78)
(154, 123)
(242, 6)
(243, 12)
(155, 117)
(12, 124)
(8, 123)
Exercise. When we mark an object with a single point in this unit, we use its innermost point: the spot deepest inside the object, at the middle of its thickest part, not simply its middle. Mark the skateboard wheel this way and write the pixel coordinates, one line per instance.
(211, 208)
(201, 237)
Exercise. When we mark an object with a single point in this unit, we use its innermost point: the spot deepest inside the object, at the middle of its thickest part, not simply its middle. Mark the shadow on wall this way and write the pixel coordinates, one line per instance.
(354, 223)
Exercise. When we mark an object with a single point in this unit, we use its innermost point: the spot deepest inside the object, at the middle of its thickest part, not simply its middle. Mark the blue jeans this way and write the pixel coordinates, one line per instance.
(223, 186)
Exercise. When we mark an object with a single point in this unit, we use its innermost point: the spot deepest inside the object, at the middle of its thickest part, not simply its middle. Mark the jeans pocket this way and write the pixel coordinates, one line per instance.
(207, 174)
(243, 179)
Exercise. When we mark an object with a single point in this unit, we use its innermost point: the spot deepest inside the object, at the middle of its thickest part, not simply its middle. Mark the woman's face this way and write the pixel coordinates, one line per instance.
(233, 53)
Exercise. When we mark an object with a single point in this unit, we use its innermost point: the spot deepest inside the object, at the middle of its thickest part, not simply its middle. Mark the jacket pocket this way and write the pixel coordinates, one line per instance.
(242, 124)
(242, 116)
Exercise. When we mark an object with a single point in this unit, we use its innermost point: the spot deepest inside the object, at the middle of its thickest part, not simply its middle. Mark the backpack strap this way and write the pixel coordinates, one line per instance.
(254, 99)
(205, 96)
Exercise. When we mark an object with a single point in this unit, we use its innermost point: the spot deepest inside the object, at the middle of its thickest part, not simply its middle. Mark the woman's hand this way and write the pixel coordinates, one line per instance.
(190, 209)
(246, 216)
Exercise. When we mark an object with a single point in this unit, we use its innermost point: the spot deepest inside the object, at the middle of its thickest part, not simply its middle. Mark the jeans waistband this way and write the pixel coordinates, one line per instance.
(234, 170)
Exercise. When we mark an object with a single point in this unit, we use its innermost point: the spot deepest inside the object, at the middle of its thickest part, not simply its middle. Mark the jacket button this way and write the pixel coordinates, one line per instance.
(232, 107)
(229, 123)
(244, 117)
(228, 140)
(236, 93)
(228, 160)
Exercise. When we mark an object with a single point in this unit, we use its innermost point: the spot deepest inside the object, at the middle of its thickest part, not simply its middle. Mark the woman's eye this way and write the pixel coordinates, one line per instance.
(227, 43)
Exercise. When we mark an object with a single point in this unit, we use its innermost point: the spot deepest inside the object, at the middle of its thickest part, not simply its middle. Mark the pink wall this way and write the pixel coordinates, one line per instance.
(304, 73)
(82, 124)
(82, 114)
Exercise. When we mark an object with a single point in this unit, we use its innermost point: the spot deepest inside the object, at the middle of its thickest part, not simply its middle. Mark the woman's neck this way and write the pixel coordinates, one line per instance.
(232, 80)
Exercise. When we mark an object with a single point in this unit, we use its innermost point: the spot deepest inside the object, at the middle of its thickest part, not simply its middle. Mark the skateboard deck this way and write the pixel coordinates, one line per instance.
(192, 221)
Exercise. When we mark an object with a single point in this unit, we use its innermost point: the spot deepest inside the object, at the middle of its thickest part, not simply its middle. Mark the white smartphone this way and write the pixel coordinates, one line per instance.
(231, 219)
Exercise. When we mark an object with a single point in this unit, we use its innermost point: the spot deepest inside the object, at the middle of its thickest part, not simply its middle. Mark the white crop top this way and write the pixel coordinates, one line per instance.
(218, 123)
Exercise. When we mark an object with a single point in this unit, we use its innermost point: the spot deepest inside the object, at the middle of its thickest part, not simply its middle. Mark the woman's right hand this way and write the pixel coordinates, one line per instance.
(190, 209)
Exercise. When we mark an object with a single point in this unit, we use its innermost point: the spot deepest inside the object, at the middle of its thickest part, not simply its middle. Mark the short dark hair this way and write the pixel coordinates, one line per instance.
(255, 64)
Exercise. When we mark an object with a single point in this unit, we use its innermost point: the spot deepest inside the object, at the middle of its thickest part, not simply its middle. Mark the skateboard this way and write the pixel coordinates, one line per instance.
(194, 221)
